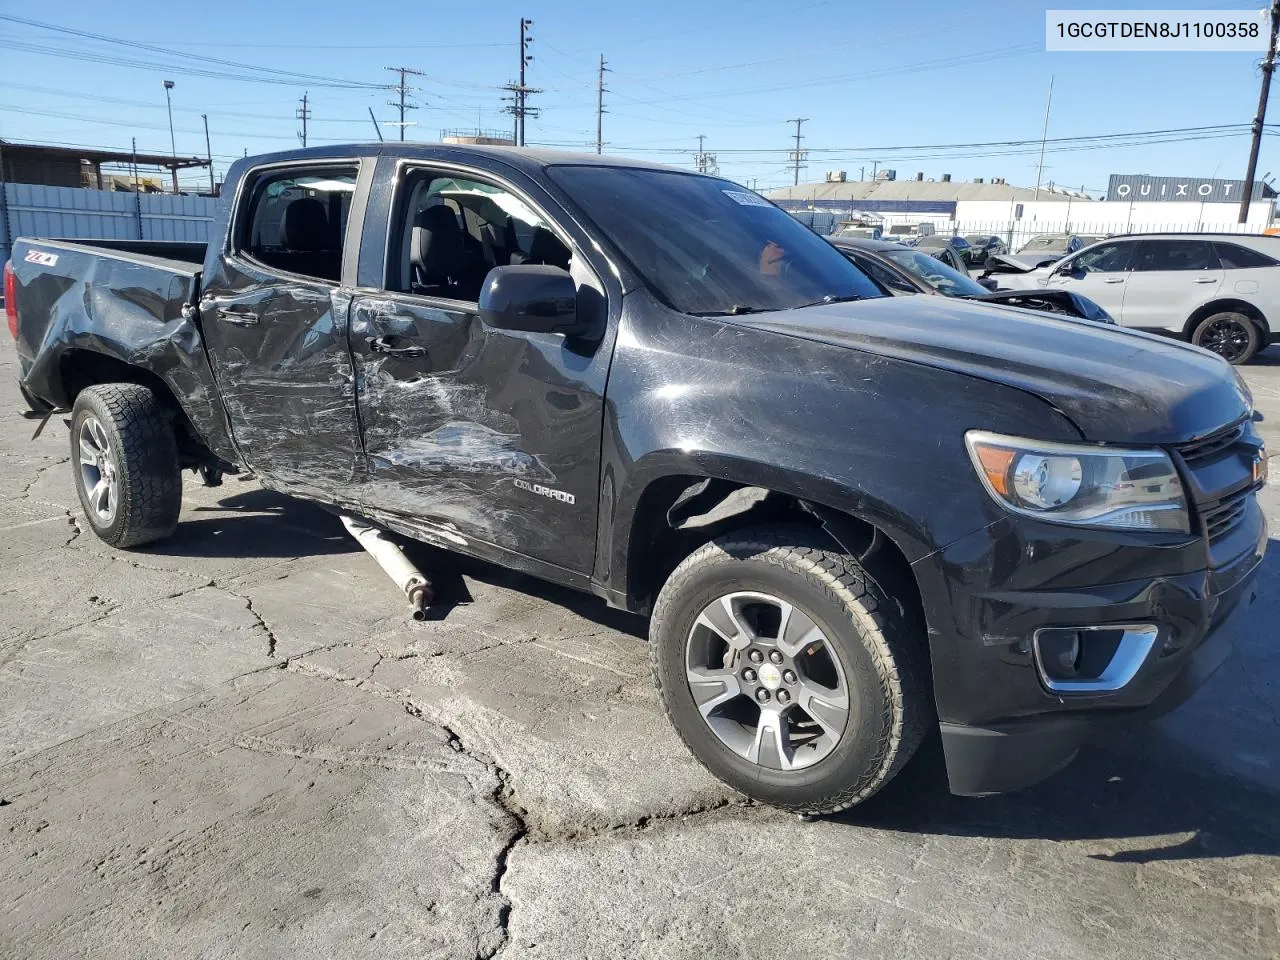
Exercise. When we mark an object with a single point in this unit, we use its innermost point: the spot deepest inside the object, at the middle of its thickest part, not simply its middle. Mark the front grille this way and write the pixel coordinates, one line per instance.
(1221, 516)
(1208, 447)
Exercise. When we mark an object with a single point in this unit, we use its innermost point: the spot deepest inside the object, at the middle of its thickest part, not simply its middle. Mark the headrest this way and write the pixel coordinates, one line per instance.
(436, 246)
(545, 247)
(305, 225)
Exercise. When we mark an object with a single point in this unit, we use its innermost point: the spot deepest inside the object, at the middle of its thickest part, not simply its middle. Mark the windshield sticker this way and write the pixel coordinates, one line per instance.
(746, 199)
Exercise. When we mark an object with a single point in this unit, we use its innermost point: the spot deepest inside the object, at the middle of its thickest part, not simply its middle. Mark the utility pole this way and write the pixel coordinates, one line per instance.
(303, 113)
(600, 88)
(1268, 66)
(173, 144)
(798, 156)
(208, 153)
(404, 89)
(520, 91)
(1044, 135)
(705, 162)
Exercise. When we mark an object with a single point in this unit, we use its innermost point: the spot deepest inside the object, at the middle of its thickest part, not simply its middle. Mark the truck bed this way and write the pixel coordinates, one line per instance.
(128, 301)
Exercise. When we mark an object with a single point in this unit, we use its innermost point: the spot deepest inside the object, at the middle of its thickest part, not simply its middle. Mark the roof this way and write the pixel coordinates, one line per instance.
(523, 158)
(938, 190)
(94, 155)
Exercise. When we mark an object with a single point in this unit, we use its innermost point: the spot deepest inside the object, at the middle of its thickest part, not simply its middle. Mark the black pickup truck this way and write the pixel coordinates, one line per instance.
(851, 516)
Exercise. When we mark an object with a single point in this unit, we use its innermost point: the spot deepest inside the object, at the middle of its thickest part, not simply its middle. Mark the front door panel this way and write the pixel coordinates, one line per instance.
(478, 434)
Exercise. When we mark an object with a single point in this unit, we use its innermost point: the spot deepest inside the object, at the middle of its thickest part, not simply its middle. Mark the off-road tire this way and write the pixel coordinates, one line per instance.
(145, 453)
(881, 646)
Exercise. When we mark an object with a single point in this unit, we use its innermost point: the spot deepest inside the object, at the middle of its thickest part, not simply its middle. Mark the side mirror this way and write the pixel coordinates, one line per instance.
(989, 283)
(533, 298)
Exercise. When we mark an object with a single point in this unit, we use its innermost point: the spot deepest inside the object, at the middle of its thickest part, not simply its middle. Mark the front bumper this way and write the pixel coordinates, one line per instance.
(1002, 729)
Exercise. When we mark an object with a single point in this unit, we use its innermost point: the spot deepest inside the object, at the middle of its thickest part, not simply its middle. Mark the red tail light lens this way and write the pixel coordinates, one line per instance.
(10, 299)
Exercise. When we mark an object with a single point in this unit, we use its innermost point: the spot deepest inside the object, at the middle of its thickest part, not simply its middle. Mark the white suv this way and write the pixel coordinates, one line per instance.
(1220, 291)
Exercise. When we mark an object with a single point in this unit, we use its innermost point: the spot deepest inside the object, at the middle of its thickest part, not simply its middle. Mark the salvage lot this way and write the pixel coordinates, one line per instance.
(235, 743)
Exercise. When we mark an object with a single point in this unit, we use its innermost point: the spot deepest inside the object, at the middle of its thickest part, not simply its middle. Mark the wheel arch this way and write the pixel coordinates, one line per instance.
(1226, 305)
(79, 368)
(675, 512)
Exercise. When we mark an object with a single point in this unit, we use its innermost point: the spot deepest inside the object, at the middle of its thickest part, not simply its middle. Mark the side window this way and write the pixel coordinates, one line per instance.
(1158, 255)
(452, 231)
(1236, 257)
(296, 221)
(1108, 258)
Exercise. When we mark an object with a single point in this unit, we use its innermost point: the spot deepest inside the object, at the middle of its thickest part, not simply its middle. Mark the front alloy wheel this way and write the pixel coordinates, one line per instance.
(766, 681)
(787, 669)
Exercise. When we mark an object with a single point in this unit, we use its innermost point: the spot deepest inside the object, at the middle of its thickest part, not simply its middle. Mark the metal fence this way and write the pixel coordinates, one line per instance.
(28, 210)
(1016, 233)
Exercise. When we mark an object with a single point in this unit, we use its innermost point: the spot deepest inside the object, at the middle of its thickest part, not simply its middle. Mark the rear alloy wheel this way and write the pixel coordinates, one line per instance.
(1232, 336)
(787, 670)
(126, 464)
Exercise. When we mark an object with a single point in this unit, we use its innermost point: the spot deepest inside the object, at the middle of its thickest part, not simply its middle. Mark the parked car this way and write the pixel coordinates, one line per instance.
(857, 231)
(1219, 291)
(957, 249)
(850, 516)
(983, 245)
(905, 271)
(908, 233)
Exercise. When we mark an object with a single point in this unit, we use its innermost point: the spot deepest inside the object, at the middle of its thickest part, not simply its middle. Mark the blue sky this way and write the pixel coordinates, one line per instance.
(869, 74)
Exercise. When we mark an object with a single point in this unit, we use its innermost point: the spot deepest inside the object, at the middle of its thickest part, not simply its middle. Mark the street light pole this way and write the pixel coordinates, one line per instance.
(173, 144)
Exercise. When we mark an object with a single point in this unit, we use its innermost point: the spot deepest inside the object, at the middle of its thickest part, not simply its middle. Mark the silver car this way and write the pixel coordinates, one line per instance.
(1220, 291)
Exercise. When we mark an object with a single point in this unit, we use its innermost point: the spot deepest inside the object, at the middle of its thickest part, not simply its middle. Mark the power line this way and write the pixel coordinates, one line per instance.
(403, 90)
(293, 76)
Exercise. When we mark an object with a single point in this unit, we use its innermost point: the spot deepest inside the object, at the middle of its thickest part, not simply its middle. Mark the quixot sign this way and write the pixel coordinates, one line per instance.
(1127, 187)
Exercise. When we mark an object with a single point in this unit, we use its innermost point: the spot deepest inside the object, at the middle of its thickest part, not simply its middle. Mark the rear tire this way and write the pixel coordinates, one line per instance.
(1233, 336)
(845, 659)
(125, 460)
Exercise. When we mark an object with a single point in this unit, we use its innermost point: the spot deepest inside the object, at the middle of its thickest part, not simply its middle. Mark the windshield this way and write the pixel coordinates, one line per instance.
(935, 273)
(708, 246)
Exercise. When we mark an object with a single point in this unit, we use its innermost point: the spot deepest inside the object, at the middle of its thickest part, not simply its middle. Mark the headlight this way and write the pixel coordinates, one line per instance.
(1088, 486)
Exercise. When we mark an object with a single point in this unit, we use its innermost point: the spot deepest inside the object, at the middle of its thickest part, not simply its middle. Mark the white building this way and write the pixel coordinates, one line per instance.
(1134, 203)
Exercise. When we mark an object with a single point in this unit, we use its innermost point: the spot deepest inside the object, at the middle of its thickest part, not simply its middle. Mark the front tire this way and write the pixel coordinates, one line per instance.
(788, 671)
(125, 459)
(1232, 336)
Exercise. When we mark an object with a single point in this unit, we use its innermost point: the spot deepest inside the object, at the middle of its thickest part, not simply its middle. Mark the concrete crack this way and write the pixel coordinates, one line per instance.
(40, 472)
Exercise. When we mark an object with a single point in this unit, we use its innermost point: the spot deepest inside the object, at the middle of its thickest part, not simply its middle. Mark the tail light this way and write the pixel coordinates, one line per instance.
(10, 299)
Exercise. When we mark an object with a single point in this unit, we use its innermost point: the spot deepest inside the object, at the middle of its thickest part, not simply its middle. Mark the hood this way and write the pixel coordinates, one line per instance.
(1115, 385)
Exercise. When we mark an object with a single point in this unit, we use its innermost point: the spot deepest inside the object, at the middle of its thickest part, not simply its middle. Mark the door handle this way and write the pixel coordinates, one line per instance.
(1206, 280)
(387, 347)
(1113, 279)
(239, 317)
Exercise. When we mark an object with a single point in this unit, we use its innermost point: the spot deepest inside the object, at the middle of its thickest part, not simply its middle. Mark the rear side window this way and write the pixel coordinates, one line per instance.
(1236, 257)
(296, 221)
(1166, 255)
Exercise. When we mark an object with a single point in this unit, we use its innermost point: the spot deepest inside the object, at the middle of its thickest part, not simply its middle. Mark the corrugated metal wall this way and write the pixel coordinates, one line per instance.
(72, 213)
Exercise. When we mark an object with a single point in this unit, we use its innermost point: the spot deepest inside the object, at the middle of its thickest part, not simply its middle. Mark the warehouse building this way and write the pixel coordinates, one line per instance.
(1133, 202)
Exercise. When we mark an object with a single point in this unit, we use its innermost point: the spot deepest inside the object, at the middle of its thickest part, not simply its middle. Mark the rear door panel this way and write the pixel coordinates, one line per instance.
(1163, 299)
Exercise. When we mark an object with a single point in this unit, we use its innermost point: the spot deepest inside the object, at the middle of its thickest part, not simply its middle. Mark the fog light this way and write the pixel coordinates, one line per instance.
(1060, 653)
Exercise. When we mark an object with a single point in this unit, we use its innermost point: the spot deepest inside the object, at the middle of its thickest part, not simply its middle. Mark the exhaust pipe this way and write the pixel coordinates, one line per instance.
(416, 587)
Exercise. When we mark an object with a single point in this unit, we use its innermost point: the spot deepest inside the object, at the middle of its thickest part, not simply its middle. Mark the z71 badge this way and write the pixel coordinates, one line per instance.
(42, 258)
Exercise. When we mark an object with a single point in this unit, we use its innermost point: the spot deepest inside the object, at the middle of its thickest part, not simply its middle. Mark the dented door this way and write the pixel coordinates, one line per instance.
(274, 316)
(475, 434)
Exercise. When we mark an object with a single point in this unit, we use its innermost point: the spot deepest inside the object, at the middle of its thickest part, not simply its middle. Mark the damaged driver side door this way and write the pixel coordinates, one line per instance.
(475, 437)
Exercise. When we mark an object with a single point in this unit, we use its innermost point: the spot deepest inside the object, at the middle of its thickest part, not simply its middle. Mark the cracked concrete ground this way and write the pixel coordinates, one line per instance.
(235, 743)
